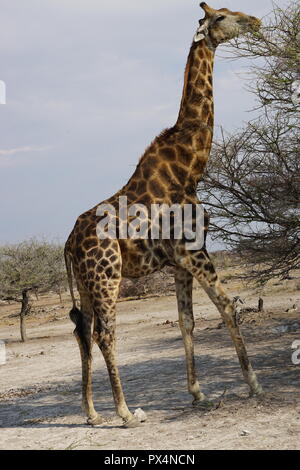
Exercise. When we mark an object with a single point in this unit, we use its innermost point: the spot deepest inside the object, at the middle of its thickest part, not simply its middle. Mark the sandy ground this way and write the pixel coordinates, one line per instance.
(40, 390)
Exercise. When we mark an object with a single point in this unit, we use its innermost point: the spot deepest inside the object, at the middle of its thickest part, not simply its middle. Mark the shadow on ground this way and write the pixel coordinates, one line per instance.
(159, 384)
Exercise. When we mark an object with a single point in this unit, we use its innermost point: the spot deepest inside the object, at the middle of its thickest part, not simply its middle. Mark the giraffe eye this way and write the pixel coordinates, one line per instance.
(221, 18)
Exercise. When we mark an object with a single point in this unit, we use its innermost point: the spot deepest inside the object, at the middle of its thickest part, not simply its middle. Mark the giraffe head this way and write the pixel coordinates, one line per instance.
(222, 25)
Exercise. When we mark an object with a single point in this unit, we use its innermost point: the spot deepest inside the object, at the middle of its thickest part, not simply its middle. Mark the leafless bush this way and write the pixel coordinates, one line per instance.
(159, 283)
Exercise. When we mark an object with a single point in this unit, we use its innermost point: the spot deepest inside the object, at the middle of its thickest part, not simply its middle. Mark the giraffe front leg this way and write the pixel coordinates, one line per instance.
(210, 282)
(228, 313)
(184, 290)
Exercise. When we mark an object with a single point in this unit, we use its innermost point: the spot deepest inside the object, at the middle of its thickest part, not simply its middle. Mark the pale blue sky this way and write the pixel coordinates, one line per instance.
(89, 84)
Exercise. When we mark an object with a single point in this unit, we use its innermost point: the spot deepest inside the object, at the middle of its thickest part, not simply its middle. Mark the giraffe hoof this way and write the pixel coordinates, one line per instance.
(204, 404)
(258, 392)
(96, 420)
(131, 423)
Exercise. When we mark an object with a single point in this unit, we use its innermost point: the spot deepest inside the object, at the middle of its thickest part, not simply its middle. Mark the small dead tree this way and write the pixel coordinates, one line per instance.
(24, 311)
(26, 267)
(260, 307)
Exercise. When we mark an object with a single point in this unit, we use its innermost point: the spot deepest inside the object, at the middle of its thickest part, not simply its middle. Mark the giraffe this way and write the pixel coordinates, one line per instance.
(168, 172)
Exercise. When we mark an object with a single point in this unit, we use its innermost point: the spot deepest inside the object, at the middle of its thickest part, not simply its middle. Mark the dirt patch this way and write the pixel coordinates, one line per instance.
(40, 390)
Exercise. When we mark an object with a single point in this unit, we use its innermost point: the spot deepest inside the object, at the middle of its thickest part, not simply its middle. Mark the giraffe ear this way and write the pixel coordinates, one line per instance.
(202, 31)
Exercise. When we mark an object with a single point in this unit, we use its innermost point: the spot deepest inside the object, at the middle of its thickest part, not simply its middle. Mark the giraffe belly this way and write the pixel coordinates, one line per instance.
(139, 260)
(136, 270)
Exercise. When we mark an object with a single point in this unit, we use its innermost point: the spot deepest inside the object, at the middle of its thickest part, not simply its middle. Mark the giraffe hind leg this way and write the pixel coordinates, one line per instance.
(82, 320)
(105, 336)
(103, 282)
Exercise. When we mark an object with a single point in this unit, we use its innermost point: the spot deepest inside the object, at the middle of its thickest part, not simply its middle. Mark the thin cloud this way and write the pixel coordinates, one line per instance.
(6, 154)
(22, 149)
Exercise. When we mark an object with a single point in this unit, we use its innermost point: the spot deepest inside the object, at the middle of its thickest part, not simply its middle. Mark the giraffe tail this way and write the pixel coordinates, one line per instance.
(68, 261)
(76, 314)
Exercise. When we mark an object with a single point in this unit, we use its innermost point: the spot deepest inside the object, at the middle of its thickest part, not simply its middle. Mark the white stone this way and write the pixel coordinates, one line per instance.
(140, 415)
(2, 353)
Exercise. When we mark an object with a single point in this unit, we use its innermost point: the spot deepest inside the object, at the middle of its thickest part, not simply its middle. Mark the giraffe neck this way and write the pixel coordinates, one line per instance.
(197, 99)
(179, 155)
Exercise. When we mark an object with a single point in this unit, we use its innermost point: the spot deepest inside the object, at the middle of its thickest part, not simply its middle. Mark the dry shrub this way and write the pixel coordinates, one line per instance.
(158, 283)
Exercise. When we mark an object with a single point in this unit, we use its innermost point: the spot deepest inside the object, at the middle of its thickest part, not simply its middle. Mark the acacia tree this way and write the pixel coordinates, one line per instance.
(57, 279)
(252, 183)
(30, 266)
